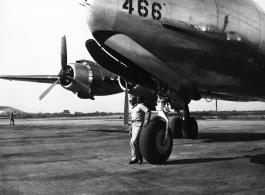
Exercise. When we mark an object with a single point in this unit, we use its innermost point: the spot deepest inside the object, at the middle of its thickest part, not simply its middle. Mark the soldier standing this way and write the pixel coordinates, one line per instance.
(12, 121)
(138, 116)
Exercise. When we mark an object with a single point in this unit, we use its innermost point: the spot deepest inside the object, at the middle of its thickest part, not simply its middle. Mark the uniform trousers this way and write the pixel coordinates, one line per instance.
(135, 149)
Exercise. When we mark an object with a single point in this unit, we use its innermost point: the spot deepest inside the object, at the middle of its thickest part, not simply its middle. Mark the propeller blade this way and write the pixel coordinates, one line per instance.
(126, 107)
(63, 54)
(81, 85)
(48, 90)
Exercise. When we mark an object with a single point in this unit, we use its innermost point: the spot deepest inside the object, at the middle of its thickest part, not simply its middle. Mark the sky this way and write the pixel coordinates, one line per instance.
(30, 35)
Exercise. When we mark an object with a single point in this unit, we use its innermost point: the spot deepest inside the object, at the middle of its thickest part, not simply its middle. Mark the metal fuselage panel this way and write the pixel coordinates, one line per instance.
(213, 45)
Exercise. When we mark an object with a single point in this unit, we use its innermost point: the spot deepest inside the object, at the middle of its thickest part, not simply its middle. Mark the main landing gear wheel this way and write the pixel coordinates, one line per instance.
(154, 148)
(175, 126)
(190, 128)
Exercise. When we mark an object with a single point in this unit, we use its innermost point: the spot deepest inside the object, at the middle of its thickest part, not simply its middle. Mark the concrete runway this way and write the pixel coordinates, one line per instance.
(88, 156)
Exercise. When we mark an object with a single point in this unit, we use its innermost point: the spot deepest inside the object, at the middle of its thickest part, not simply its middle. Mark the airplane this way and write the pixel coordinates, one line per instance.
(173, 50)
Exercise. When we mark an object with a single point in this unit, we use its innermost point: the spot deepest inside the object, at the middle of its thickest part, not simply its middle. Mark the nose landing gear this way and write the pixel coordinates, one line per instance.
(156, 139)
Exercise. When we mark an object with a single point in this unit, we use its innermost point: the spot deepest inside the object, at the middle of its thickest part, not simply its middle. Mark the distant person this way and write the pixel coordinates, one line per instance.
(138, 116)
(12, 121)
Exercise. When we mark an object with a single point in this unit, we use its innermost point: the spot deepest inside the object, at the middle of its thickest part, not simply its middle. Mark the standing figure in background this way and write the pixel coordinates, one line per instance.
(12, 121)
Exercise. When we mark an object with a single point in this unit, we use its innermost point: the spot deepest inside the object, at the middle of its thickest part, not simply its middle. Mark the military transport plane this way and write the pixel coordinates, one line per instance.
(171, 50)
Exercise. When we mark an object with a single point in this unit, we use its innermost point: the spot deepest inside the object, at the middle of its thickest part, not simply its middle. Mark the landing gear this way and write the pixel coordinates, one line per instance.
(190, 126)
(153, 145)
(156, 140)
(175, 126)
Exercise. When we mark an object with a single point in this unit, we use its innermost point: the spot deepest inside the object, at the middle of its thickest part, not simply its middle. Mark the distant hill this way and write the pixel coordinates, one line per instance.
(3, 107)
(7, 109)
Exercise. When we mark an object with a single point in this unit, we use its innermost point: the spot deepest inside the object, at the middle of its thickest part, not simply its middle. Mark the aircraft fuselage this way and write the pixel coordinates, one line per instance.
(215, 45)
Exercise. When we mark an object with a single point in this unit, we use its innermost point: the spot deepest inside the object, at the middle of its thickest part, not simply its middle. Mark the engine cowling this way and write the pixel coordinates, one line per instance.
(99, 80)
(82, 73)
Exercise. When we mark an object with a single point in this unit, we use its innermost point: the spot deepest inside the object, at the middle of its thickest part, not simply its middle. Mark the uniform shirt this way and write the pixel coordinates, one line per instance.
(138, 113)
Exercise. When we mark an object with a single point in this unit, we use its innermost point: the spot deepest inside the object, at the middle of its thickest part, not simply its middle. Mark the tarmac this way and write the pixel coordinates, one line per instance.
(86, 156)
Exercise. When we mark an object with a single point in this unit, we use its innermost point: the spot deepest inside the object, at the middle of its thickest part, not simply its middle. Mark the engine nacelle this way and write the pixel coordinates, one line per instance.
(99, 80)
(80, 72)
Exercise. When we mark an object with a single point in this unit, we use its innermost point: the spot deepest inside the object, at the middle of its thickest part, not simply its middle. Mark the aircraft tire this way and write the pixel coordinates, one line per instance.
(190, 128)
(151, 143)
(175, 126)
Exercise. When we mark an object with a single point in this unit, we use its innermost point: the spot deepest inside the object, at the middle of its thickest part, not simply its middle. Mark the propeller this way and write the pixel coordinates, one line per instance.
(126, 106)
(66, 72)
(48, 90)
(63, 54)
(80, 85)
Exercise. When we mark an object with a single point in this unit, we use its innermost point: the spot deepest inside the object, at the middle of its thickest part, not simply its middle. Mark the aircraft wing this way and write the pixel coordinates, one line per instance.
(84, 78)
(31, 78)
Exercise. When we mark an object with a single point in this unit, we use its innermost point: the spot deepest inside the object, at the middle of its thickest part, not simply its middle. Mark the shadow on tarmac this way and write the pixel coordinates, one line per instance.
(256, 159)
(230, 137)
(197, 160)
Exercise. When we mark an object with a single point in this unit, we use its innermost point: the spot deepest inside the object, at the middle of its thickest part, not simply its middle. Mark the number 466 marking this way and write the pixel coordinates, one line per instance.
(143, 8)
(130, 7)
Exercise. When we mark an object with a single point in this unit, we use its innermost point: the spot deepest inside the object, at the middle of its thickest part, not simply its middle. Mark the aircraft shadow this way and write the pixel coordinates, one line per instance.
(256, 159)
(230, 137)
(197, 160)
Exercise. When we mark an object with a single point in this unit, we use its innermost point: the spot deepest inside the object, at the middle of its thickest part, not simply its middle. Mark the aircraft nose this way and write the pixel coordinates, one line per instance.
(95, 12)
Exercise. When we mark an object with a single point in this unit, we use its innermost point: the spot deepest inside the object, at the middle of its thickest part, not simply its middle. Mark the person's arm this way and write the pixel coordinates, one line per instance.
(130, 131)
(147, 117)
(147, 114)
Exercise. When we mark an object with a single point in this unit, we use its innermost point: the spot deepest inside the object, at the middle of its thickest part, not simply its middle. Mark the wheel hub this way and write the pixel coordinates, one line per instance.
(162, 144)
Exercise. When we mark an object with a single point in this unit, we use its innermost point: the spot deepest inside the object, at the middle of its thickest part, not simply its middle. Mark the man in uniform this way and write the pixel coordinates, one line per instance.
(138, 116)
(12, 121)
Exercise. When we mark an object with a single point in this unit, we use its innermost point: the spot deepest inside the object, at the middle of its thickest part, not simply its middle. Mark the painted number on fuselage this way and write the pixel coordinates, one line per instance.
(128, 5)
(156, 14)
(143, 9)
